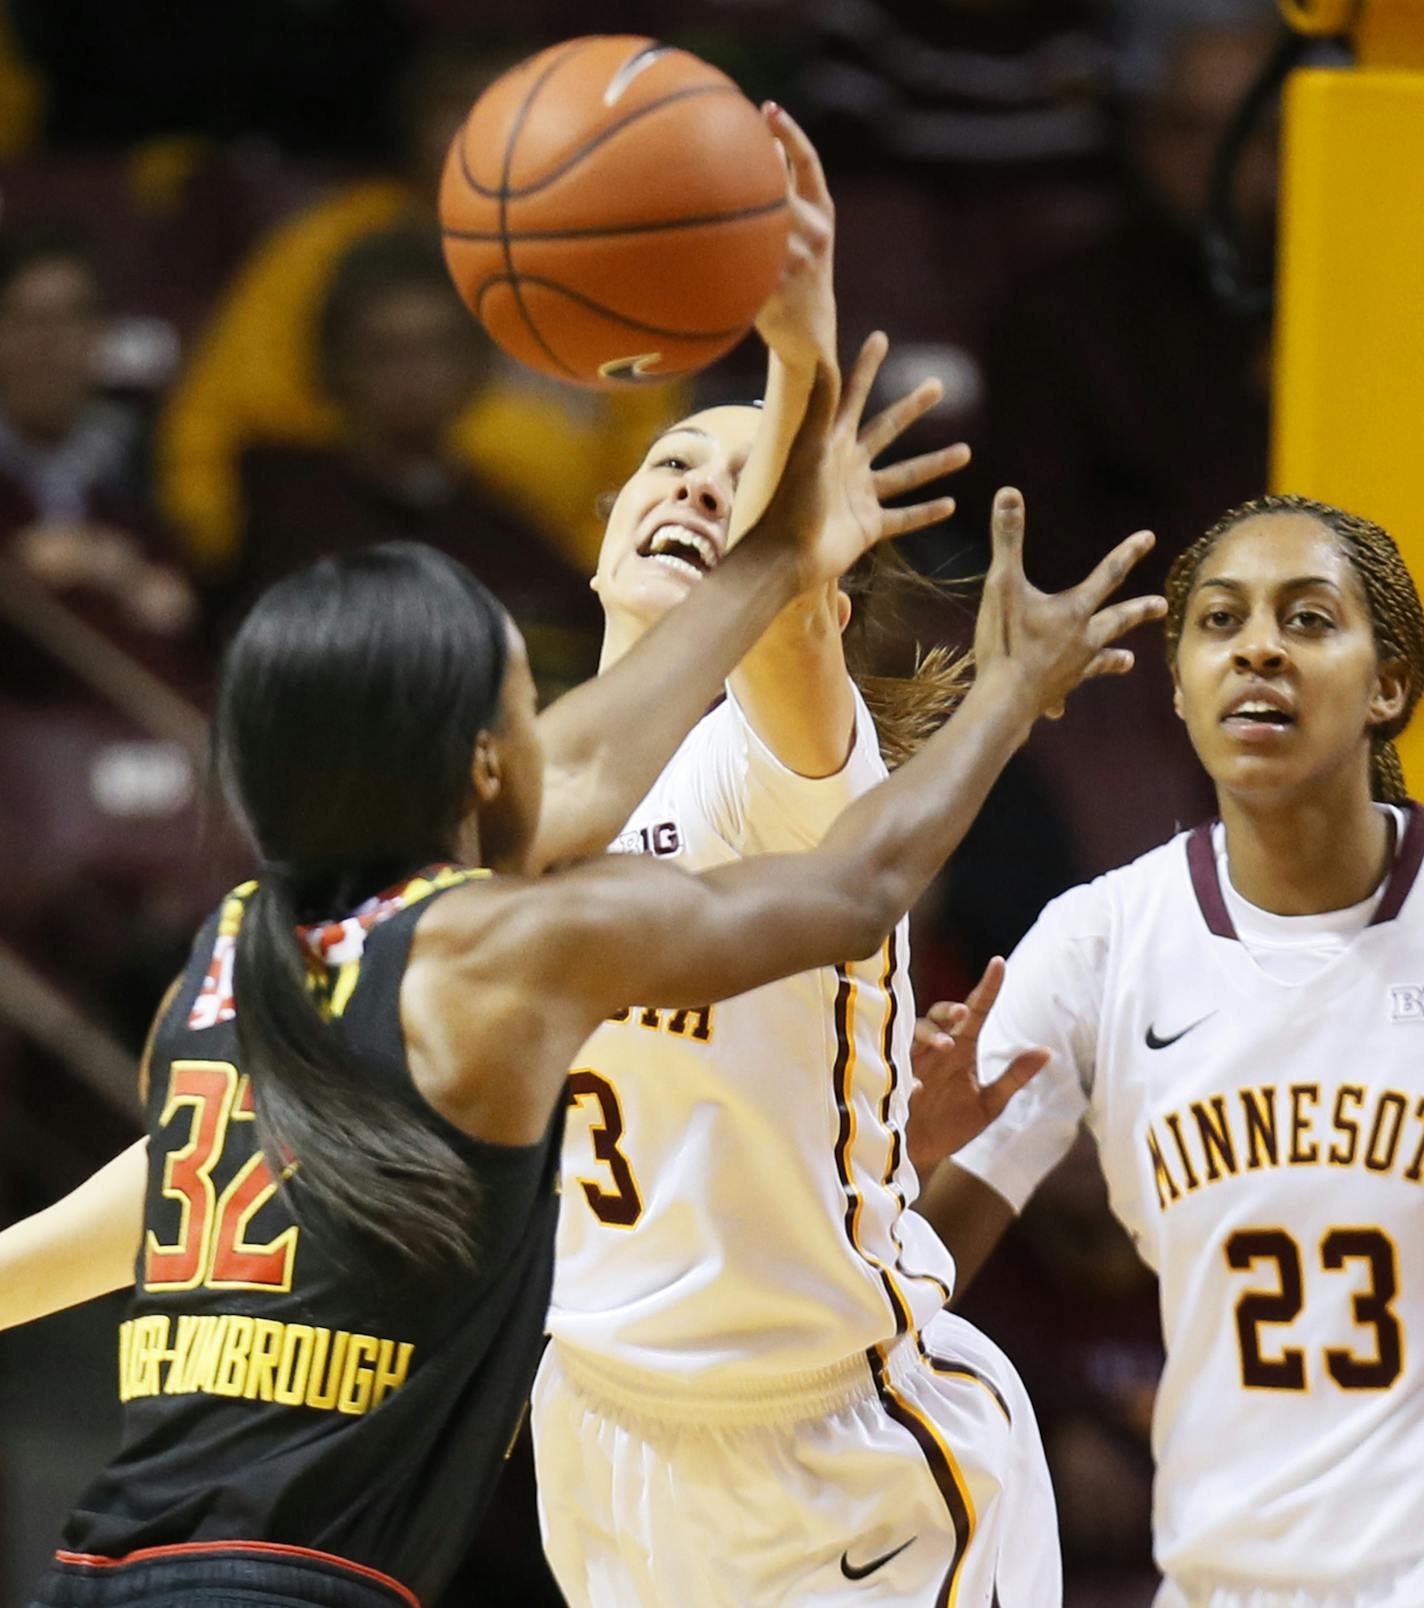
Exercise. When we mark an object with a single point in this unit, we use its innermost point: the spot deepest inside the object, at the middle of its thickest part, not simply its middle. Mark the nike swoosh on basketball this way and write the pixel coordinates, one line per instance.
(1155, 1043)
(858, 1571)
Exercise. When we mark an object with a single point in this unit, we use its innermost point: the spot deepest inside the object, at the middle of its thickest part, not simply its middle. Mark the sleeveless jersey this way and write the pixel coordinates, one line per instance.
(1263, 1141)
(285, 1378)
(735, 1185)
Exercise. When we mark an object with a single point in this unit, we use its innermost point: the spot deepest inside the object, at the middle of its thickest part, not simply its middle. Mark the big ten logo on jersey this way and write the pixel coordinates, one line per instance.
(689, 1022)
(1406, 1002)
(662, 839)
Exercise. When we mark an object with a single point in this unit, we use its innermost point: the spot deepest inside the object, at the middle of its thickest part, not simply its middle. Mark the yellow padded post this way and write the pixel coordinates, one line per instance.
(1348, 421)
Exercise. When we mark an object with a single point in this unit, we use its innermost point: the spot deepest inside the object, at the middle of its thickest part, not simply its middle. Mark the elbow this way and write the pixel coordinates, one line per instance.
(874, 910)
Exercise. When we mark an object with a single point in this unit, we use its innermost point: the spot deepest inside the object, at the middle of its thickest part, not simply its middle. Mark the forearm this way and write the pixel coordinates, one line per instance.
(788, 389)
(606, 741)
(899, 835)
(969, 1215)
(83, 1246)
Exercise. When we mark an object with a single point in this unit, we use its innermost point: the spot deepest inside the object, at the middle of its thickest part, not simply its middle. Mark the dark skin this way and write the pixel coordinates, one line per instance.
(1277, 617)
(507, 978)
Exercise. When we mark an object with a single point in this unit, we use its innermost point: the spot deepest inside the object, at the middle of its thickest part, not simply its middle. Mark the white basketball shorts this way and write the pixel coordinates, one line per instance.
(913, 1475)
(1400, 1586)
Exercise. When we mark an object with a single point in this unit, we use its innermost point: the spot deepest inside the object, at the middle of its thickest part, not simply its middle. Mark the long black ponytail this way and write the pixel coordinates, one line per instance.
(349, 707)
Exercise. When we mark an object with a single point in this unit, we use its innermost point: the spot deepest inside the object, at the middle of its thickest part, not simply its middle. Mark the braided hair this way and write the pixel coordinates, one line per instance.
(1396, 616)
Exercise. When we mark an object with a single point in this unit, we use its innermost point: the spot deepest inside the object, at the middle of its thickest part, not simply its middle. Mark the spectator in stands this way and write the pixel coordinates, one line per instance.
(1121, 393)
(73, 511)
(401, 360)
(255, 374)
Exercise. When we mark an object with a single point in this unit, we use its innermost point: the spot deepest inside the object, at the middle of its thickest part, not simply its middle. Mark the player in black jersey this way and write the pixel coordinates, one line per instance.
(356, 1086)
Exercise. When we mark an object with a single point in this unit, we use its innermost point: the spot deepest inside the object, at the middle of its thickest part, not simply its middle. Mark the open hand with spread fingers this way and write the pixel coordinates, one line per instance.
(1054, 641)
(949, 1106)
(831, 498)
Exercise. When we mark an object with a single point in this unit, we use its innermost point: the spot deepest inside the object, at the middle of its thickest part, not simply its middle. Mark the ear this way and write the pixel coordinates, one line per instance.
(486, 772)
(843, 610)
(1177, 695)
(1391, 692)
(593, 585)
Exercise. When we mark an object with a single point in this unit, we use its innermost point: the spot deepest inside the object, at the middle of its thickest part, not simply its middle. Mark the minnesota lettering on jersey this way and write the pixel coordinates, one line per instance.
(694, 1022)
(259, 1359)
(1291, 1125)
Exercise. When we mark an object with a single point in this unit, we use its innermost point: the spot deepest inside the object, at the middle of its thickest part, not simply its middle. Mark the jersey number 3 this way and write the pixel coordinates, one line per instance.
(212, 1248)
(1372, 1308)
(622, 1205)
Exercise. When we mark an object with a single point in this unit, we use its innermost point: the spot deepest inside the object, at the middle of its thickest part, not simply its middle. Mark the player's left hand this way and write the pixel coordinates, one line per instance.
(948, 1104)
(798, 321)
(831, 499)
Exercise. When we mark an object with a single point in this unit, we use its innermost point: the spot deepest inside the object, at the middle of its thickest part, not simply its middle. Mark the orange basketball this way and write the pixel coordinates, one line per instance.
(614, 211)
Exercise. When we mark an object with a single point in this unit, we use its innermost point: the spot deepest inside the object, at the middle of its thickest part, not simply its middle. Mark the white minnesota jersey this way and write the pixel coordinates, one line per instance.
(1263, 1141)
(734, 1181)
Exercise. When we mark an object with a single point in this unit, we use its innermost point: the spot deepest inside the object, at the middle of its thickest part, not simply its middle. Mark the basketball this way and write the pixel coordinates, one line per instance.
(614, 211)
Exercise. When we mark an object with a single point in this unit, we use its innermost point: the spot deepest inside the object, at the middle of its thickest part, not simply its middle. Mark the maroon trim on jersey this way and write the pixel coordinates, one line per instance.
(1405, 868)
(1403, 871)
(266, 1549)
(1201, 862)
(935, 1453)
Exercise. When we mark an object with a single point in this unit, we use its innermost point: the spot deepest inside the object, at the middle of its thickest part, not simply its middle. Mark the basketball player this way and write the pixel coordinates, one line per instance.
(324, 1361)
(1234, 1016)
(753, 1395)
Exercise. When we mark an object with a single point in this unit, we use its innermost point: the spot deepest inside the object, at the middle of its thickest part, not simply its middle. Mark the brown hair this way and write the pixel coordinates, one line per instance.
(907, 709)
(1390, 595)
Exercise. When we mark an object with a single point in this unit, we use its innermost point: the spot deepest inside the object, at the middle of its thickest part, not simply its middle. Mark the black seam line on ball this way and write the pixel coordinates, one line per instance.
(513, 139)
(609, 312)
(592, 144)
(736, 215)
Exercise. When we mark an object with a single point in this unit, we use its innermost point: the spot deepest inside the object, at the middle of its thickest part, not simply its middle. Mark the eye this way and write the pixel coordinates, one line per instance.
(1309, 619)
(1217, 620)
(671, 463)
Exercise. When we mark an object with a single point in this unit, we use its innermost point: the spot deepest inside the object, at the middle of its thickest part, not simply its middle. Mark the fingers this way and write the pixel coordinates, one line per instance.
(808, 177)
(1110, 572)
(892, 422)
(862, 376)
(1107, 625)
(901, 521)
(986, 990)
(1109, 662)
(947, 1014)
(895, 479)
(1006, 531)
(1021, 1070)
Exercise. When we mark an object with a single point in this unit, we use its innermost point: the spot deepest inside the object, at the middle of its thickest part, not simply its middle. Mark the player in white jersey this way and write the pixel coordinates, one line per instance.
(753, 1394)
(1234, 1016)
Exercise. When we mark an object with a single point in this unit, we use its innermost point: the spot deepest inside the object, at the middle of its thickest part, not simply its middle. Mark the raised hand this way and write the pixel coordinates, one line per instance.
(948, 1104)
(1055, 641)
(830, 497)
(798, 321)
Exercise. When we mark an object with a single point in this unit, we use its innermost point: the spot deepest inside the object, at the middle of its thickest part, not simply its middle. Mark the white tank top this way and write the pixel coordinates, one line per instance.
(735, 1185)
(1260, 1120)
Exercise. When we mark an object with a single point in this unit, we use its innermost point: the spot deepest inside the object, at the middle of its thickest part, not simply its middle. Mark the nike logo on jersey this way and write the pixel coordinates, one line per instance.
(858, 1571)
(1155, 1043)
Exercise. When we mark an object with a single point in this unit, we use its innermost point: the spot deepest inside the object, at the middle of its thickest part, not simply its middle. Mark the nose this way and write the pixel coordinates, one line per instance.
(1259, 648)
(706, 491)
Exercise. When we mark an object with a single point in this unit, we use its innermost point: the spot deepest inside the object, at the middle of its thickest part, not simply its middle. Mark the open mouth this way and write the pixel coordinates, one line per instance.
(1258, 716)
(688, 552)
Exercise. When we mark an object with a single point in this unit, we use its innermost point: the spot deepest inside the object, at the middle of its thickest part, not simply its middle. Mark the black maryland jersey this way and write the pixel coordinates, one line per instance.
(288, 1379)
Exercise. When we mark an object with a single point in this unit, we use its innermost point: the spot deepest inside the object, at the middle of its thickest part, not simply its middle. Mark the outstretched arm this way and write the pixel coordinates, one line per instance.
(81, 1247)
(792, 685)
(606, 741)
(522, 976)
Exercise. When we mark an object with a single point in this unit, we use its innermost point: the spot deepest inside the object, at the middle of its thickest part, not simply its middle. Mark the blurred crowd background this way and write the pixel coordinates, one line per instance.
(227, 344)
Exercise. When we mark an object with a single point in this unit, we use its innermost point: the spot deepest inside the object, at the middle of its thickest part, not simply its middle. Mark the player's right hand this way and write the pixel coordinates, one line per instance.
(1053, 641)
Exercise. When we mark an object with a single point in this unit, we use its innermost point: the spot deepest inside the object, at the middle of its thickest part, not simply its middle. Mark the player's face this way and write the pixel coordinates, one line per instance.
(508, 820)
(669, 524)
(1278, 676)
